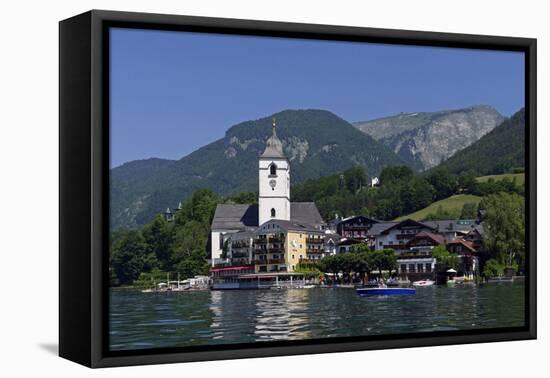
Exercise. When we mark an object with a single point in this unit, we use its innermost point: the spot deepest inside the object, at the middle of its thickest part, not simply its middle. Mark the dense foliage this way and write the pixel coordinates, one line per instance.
(504, 225)
(444, 257)
(360, 261)
(180, 246)
(401, 192)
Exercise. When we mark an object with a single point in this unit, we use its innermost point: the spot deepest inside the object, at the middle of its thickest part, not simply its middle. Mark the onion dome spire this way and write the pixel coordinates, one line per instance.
(273, 145)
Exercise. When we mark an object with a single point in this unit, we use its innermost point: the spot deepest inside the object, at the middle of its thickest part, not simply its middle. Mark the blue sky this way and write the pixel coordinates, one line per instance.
(173, 92)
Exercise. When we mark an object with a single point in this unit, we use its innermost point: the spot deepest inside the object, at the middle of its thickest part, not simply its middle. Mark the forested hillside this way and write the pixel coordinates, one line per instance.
(500, 151)
(317, 143)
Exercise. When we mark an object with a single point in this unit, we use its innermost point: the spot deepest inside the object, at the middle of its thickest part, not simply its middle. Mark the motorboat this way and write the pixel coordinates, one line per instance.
(384, 291)
(423, 283)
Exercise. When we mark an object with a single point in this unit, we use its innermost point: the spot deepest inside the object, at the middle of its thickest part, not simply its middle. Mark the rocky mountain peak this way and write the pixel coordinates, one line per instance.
(425, 139)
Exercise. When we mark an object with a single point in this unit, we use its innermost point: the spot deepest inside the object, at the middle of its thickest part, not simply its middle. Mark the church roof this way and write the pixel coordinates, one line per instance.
(245, 217)
(273, 146)
(305, 212)
(235, 217)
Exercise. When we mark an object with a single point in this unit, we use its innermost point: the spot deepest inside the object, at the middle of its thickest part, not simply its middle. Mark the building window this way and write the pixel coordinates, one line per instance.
(411, 268)
(273, 170)
(403, 268)
(273, 213)
(420, 268)
(428, 267)
(380, 244)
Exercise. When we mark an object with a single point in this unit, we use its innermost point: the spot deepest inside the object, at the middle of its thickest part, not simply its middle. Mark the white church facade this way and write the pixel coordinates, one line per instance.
(274, 182)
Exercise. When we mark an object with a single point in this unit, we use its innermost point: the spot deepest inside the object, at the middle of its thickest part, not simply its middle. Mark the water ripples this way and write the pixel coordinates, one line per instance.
(142, 321)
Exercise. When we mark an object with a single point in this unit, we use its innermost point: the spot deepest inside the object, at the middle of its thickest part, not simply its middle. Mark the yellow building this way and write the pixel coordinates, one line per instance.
(280, 246)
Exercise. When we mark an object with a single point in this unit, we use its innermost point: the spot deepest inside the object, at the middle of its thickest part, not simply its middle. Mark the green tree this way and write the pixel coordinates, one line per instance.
(200, 207)
(355, 178)
(128, 255)
(469, 211)
(467, 182)
(392, 174)
(416, 194)
(387, 260)
(439, 252)
(493, 268)
(443, 183)
(243, 198)
(369, 260)
(444, 257)
(158, 237)
(361, 264)
(504, 224)
(331, 264)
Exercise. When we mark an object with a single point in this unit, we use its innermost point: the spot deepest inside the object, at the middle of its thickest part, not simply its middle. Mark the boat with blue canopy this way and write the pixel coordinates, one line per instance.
(383, 291)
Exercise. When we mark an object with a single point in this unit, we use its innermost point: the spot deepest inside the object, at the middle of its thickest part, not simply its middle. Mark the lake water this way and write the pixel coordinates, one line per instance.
(151, 320)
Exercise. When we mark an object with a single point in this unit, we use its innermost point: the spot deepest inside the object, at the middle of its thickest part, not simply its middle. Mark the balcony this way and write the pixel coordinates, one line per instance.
(315, 240)
(356, 227)
(314, 250)
(420, 255)
(238, 254)
(238, 245)
(276, 261)
(404, 236)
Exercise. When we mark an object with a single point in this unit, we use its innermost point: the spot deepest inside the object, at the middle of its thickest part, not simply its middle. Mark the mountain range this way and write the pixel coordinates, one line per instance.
(499, 151)
(317, 143)
(425, 139)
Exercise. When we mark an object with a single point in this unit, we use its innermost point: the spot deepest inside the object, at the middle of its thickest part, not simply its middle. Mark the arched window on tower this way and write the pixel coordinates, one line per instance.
(273, 170)
(273, 213)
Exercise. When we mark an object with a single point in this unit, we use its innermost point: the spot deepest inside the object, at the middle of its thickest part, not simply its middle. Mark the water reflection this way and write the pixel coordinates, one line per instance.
(280, 315)
(153, 320)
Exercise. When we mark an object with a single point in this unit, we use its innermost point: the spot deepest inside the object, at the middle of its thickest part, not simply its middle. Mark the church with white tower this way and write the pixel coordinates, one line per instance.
(273, 201)
(274, 181)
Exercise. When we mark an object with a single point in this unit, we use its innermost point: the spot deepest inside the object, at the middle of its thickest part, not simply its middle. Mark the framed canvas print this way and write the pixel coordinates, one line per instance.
(234, 188)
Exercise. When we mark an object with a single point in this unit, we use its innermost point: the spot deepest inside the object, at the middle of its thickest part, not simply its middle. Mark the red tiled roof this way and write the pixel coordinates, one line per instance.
(468, 244)
(439, 239)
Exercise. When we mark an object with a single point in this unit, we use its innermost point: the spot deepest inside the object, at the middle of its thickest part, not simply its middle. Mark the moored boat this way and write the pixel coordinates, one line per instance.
(383, 291)
(423, 283)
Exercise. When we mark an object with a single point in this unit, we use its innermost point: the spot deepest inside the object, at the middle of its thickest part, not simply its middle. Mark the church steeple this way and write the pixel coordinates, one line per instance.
(274, 180)
(273, 145)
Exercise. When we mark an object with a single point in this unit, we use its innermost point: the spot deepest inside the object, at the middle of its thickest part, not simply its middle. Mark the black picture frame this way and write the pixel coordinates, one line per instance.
(84, 186)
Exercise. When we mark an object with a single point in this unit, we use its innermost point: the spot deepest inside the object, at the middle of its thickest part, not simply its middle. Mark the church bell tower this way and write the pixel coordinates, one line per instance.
(274, 181)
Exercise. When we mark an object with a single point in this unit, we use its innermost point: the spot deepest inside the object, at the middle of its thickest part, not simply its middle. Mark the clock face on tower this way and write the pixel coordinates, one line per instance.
(272, 183)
